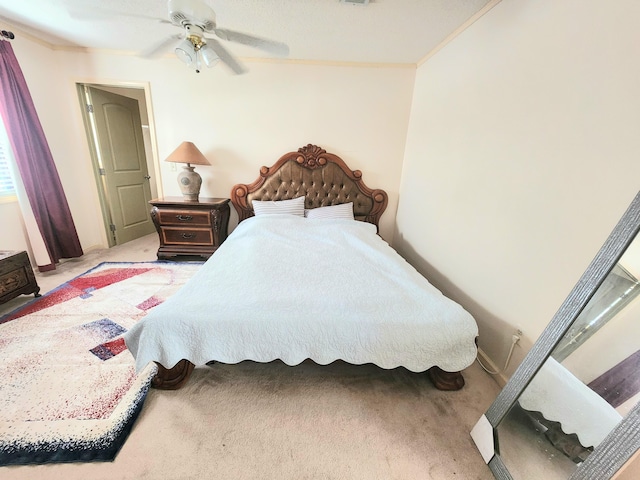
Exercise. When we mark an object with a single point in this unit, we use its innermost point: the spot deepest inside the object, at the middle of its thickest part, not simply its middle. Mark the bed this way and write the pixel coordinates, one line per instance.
(305, 275)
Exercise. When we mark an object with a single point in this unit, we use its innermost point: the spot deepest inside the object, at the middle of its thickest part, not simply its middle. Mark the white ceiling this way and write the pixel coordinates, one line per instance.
(384, 31)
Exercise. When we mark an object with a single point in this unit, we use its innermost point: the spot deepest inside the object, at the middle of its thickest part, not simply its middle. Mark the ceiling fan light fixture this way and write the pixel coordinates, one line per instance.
(209, 57)
(196, 18)
(186, 52)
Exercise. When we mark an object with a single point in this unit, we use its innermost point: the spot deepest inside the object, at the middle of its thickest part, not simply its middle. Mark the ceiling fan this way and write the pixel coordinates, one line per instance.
(196, 19)
(191, 46)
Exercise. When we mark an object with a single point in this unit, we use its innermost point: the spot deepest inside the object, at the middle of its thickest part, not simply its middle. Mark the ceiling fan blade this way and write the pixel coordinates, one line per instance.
(271, 46)
(162, 47)
(225, 56)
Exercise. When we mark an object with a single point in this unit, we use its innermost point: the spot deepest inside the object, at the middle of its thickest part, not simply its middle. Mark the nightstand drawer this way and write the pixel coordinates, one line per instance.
(187, 236)
(184, 217)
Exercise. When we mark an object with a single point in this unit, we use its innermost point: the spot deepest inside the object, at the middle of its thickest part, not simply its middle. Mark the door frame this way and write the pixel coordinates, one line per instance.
(153, 164)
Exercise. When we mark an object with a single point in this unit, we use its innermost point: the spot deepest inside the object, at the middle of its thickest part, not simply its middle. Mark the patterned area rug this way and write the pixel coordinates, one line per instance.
(69, 391)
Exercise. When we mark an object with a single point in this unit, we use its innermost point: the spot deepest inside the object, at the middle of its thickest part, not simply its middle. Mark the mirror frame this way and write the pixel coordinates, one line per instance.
(624, 440)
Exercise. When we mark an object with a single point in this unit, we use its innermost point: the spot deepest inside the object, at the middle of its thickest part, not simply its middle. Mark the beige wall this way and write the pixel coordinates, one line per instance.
(522, 154)
(239, 122)
(12, 237)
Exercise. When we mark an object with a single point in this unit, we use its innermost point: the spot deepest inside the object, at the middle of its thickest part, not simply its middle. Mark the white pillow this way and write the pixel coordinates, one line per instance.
(342, 210)
(295, 206)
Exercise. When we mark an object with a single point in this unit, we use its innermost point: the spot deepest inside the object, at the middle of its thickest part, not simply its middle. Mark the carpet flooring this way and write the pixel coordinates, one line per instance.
(272, 421)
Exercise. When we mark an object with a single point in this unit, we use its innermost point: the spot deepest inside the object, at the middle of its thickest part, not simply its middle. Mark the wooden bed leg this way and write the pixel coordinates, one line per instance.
(447, 381)
(172, 378)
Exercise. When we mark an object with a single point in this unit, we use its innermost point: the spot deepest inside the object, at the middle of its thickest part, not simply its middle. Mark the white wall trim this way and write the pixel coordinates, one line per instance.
(294, 61)
(23, 33)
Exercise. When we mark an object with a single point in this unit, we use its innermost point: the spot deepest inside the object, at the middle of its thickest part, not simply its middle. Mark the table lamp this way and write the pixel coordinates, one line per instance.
(188, 180)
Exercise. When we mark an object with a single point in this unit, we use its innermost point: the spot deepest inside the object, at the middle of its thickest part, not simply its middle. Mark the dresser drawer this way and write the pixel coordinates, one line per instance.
(16, 276)
(184, 217)
(12, 281)
(187, 236)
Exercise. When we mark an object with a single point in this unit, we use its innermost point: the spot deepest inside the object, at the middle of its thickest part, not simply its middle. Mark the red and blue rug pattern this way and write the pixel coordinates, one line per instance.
(69, 389)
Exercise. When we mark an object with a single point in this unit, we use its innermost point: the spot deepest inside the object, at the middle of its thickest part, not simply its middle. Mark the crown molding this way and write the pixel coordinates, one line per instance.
(291, 61)
(20, 33)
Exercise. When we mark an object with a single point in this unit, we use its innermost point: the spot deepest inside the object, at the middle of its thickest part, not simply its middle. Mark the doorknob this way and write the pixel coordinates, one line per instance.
(147, 177)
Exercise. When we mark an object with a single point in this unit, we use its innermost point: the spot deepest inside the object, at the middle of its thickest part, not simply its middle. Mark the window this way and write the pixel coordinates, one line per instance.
(7, 189)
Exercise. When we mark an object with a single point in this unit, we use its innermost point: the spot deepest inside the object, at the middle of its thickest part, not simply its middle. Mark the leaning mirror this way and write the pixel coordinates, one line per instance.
(570, 410)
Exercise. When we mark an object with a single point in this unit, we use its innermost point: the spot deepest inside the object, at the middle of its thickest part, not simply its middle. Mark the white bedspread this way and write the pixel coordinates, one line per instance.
(290, 288)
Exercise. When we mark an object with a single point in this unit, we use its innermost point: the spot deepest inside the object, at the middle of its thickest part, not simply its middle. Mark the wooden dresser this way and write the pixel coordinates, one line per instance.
(16, 276)
(190, 228)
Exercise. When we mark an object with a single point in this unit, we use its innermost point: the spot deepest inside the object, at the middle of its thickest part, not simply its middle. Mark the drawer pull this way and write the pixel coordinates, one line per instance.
(188, 235)
(184, 218)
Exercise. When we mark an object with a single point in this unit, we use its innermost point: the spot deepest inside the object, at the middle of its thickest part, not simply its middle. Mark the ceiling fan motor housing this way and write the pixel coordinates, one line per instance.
(192, 12)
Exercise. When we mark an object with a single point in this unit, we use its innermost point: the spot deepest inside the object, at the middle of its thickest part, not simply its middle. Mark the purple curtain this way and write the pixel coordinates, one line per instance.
(35, 163)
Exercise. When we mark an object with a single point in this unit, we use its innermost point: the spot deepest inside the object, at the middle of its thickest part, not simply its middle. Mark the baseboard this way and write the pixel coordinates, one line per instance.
(500, 378)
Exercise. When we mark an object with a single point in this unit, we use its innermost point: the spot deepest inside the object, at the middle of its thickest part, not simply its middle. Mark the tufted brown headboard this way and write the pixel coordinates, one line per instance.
(323, 178)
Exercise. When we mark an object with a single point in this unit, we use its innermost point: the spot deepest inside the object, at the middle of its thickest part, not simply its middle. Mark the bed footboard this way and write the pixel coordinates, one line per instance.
(172, 378)
(446, 380)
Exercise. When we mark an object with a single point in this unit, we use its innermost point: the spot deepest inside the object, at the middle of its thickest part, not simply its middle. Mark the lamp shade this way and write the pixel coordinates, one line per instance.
(187, 152)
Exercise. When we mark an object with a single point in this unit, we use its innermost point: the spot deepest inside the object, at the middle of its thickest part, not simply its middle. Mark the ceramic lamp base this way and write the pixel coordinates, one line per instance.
(189, 182)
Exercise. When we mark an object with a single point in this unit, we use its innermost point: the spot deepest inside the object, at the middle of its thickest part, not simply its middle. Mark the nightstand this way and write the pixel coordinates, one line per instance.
(16, 276)
(190, 228)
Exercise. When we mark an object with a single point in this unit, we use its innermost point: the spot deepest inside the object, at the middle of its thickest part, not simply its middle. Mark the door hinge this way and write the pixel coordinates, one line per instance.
(102, 171)
(89, 108)
(112, 227)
